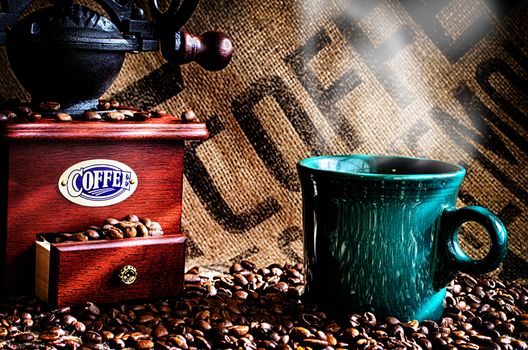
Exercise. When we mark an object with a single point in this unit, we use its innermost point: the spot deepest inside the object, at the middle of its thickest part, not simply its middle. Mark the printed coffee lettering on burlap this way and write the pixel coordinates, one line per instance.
(443, 79)
(261, 140)
(325, 98)
(409, 140)
(153, 89)
(213, 201)
(437, 17)
(376, 58)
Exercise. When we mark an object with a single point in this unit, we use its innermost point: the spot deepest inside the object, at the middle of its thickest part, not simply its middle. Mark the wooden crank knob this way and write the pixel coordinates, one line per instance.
(211, 50)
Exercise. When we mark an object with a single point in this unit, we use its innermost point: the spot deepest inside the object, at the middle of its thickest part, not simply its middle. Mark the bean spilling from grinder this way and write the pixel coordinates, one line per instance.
(68, 151)
(16, 111)
(130, 227)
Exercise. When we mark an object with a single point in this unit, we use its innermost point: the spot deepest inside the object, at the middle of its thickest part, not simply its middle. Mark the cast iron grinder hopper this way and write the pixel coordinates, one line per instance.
(70, 54)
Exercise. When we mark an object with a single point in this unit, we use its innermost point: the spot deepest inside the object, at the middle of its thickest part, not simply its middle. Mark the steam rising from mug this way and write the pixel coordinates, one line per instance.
(377, 65)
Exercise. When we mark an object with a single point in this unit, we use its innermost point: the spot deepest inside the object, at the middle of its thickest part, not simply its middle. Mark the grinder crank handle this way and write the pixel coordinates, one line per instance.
(211, 50)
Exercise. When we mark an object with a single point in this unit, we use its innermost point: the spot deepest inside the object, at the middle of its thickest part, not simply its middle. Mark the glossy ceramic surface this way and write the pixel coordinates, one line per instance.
(381, 233)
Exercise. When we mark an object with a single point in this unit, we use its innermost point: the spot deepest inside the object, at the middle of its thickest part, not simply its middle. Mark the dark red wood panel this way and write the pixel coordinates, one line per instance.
(34, 155)
(85, 272)
(35, 204)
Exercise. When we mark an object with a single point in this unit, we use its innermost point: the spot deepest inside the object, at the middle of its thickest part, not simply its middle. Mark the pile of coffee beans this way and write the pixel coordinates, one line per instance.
(262, 308)
(106, 110)
(131, 226)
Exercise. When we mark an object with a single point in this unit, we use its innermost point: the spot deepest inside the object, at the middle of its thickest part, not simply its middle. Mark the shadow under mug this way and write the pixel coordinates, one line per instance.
(381, 234)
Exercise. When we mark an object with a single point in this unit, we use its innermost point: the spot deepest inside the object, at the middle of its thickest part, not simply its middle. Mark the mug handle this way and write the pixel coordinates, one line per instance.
(451, 221)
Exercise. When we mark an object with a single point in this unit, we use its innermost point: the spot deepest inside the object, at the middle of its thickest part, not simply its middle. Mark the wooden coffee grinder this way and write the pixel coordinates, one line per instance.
(60, 172)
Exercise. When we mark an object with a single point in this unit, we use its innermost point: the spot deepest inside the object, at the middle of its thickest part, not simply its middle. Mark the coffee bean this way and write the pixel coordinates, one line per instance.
(79, 237)
(145, 318)
(23, 111)
(238, 330)
(315, 343)
(126, 112)
(154, 229)
(203, 325)
(191, 278)
(281, 286)
(225, 312)
(113, 233)
(146, 221)
(159, 114)
(145, 344)
(468, 346)
(369, 318)
(126, 224)
(160, 332)
(117, 343)
(63, 117)
(92, 308)
(92, 337)
(131, 218)
(137, 336)
(202, 343)
(51, 334)
(114, 116)
(33, 116)
(506, 328)
(129, 232)
(48, 336)
(79, 327)
(107, 335)
(68, 319)
(300, 333)
(103, 104)
(110, 221)
(142, 230)
(92, 115)
(24, 337)
(179, 341)
(397, 331)
(190, 116)
(142, 115)
(49, 106)
(92, 234)
(11, 116)
(519, 344)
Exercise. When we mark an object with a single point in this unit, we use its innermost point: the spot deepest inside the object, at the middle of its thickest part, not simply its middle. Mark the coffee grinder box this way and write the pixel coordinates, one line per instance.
(53, 177)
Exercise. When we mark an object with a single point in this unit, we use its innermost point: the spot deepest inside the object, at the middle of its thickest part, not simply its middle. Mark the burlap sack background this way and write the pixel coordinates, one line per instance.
(441, 79)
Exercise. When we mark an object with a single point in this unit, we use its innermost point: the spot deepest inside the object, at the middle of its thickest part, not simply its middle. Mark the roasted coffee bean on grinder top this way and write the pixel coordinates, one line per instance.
(15, 111)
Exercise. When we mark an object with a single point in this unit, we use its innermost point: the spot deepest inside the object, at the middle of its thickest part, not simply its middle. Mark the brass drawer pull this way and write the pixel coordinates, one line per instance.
(127, 274)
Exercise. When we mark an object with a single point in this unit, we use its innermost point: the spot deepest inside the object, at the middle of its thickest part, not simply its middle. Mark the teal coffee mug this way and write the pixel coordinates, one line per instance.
(381, 234)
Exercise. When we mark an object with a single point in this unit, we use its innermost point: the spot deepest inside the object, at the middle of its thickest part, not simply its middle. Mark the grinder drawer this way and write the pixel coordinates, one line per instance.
(107, 271)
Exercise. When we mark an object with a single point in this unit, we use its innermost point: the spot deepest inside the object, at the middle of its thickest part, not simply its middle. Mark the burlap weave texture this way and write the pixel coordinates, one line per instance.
(440, 79)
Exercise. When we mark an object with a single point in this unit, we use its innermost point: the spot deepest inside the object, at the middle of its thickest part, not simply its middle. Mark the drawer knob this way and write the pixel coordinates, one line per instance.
(127, 274)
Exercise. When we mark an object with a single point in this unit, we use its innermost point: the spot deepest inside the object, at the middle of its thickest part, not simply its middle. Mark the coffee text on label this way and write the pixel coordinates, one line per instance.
(98, 182)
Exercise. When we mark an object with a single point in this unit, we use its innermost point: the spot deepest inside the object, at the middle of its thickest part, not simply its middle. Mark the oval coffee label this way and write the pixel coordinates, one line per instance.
(98, 182)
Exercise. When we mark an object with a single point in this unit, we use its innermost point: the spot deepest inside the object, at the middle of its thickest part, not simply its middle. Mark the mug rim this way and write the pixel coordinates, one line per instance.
(457, 169)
